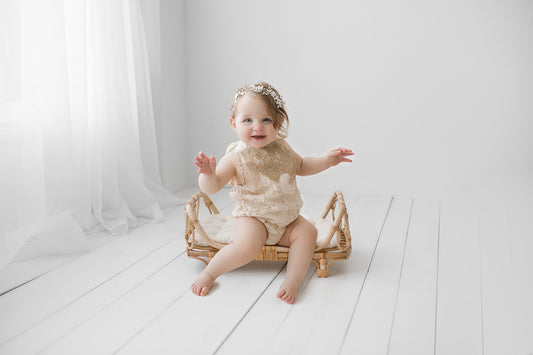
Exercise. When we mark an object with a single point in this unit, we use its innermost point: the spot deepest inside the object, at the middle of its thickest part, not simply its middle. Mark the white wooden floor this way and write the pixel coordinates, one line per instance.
(425, 277)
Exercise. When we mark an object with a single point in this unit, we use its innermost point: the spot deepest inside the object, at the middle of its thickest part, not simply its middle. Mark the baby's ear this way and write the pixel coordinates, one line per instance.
(232, 122)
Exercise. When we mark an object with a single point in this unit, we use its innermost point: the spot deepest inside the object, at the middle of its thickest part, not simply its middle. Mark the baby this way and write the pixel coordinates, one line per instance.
(262, 168)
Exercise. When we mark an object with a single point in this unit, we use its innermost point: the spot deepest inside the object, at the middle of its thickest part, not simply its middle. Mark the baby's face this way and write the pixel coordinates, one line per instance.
(252, 122)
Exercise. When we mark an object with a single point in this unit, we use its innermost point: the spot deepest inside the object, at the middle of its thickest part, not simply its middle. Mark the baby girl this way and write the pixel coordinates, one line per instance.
(262, 168)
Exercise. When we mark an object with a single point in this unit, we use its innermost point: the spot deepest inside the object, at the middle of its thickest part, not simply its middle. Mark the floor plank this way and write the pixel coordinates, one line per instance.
(459, 315)
(370, 328)
(520, 305)
(20, 272)
(413, 329)
(498, 290)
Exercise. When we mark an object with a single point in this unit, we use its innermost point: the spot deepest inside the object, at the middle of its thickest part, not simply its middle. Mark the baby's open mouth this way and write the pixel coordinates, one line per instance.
(258, 137)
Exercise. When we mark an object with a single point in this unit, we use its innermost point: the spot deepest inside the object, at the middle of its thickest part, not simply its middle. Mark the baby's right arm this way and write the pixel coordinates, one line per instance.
(212, 177)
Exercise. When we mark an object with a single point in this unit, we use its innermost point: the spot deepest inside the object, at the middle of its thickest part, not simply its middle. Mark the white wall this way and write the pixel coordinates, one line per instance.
(433, 96)
(165, 35)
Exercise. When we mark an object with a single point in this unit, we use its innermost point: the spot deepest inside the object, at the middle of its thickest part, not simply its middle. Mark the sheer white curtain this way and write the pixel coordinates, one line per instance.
(77, 137)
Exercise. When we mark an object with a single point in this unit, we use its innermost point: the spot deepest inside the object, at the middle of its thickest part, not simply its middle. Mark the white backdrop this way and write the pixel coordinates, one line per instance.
(165, 22)
(434, 97)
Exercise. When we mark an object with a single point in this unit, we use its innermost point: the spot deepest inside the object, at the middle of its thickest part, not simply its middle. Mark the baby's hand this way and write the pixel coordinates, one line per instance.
(338, 155)
(206, 165)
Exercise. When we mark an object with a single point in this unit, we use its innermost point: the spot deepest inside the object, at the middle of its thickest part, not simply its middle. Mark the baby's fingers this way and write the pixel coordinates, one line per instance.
(340, 155)
(205, 164)
(201, 156)
(199, 162)
(345, 151)
(342, 152)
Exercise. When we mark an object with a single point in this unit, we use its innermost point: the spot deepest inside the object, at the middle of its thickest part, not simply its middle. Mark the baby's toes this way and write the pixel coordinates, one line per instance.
(288, 298)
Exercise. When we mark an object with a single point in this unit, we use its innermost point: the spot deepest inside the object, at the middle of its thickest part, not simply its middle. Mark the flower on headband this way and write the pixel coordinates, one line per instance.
(257, 88)
(261, 89)
(237, 95)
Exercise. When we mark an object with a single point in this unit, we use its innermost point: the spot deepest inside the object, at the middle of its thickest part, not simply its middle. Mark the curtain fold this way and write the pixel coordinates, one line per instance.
(84, 92)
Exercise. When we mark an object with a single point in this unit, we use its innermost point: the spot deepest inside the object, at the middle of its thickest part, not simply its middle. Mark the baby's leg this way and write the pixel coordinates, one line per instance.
(300, 236)
(250, 236)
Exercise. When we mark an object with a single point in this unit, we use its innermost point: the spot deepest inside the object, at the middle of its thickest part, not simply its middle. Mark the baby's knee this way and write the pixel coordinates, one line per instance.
(249, 251)
(311, 233)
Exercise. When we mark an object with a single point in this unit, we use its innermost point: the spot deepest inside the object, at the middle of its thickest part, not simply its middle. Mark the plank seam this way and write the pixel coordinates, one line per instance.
(41, 274)
(364, 278)
(437, 282)
(249, 309)
(480, 283)
(400, 276)
(292, 306)
(150, 322)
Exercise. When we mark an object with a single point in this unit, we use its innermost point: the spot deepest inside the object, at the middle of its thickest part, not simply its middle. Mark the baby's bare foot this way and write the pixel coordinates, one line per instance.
(288, 292)
(202, 284)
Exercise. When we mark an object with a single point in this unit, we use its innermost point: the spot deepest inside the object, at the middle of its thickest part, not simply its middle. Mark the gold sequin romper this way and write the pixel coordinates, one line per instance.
(265, 186)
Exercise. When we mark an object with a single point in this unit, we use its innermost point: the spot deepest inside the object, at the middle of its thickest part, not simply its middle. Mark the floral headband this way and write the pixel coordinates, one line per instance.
(263, 90)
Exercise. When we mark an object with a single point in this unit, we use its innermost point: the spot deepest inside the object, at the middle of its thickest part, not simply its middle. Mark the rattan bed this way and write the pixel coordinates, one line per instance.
(335, 244)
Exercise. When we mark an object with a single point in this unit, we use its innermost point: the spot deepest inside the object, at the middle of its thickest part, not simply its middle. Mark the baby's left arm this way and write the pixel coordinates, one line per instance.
(315, 165)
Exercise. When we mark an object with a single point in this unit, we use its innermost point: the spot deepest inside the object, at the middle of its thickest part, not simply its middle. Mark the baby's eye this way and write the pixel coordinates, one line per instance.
(247, 120)
(266, 119)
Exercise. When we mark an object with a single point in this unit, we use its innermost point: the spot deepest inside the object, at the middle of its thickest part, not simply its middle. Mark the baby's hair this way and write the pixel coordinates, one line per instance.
(273, 100)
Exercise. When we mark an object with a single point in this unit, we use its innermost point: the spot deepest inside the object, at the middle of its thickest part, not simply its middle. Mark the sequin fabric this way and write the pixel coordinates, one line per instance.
(265, 186)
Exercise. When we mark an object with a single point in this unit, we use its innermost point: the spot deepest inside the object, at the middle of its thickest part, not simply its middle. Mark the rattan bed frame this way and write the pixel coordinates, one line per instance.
(323, 258)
